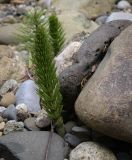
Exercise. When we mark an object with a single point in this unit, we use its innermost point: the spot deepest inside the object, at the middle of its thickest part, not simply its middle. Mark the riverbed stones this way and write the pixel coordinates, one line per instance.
(105, 103)
(89, 55)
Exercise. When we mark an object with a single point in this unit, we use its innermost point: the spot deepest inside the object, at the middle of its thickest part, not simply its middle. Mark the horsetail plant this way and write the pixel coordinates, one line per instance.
(37, 37)
(56, 33)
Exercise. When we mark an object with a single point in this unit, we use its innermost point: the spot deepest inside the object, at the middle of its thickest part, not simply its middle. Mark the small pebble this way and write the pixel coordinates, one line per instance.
(12, 125)
(68, 126)
(10, 113)
(2, 125)
(7, 99)
(30, 124)
(72, 140)
(22, 107)
(0, 136)
(42, 120)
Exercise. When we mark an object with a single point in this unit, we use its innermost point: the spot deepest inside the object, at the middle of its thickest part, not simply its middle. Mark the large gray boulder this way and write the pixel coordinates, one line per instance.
(105, 103)
(90, 53)
(31, 146)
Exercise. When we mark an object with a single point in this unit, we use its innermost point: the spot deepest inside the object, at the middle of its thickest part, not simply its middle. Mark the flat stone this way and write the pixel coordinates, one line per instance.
(31, 146)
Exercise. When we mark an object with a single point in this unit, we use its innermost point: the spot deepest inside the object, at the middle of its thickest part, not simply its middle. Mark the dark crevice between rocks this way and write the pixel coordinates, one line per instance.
(6, 153)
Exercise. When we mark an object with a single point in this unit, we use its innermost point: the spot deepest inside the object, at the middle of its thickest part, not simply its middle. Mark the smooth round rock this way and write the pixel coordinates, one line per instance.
(27, 94)
(10, 113)
(42, 120)
(123, 4)
(29, 124)
(105, 103)
(91, 151)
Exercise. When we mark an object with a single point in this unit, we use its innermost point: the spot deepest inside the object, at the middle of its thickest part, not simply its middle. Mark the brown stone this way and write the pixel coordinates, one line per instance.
(11, 65)
(94, 8)
(2, 125)
(105, 103)
(7, 99)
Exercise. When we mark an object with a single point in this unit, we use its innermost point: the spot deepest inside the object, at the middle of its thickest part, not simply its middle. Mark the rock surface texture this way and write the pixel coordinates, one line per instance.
(31, 146)
(105, 103)
(91, 51)
(91, 151)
